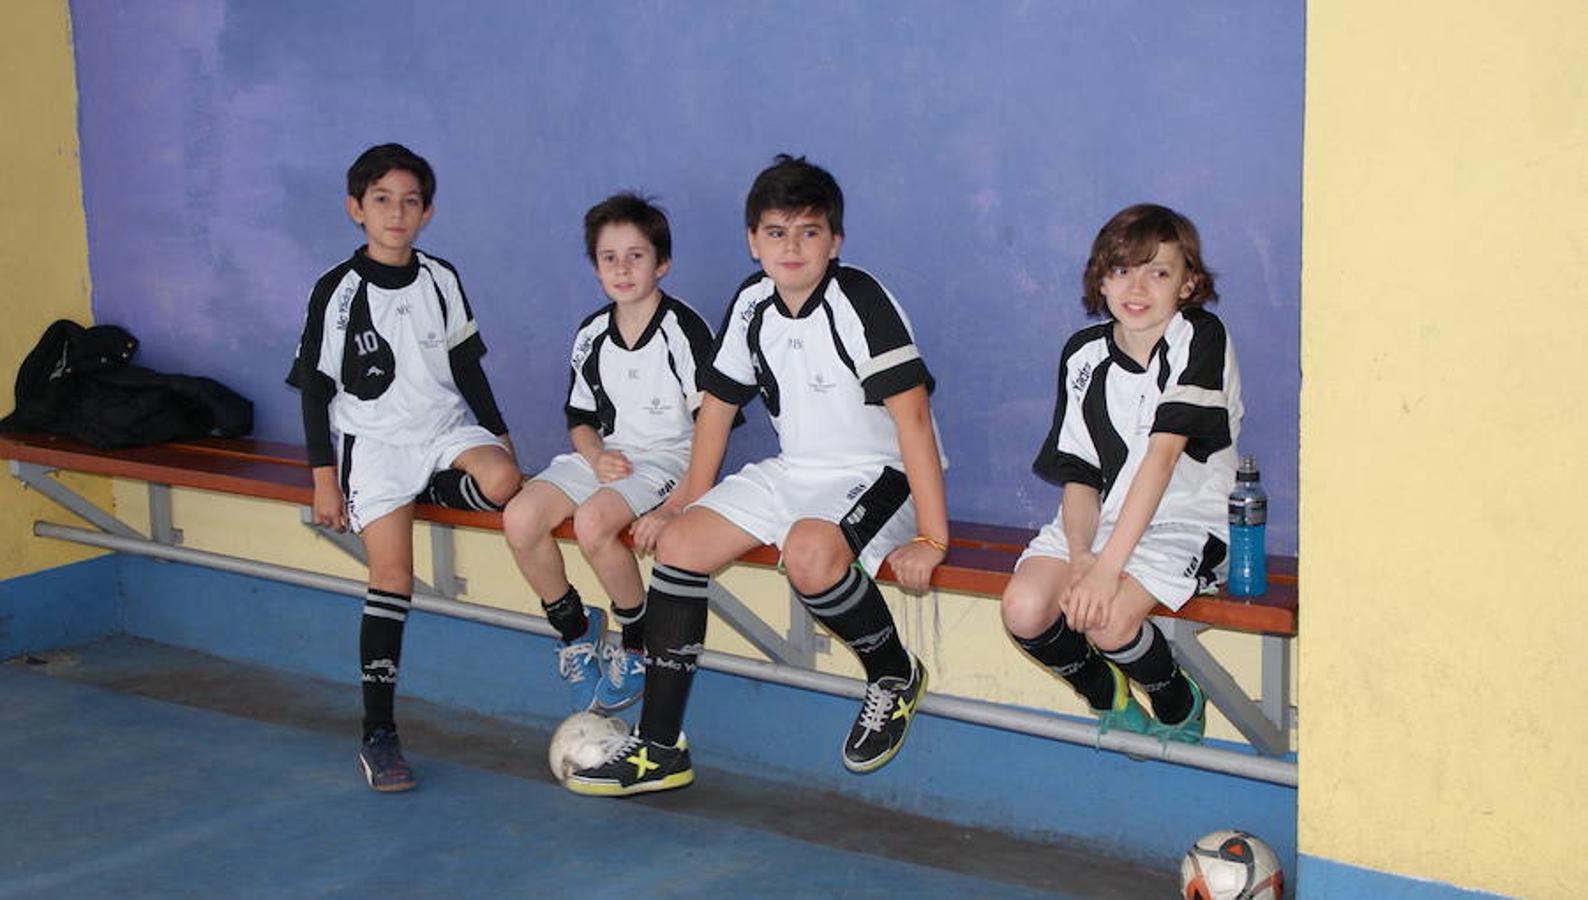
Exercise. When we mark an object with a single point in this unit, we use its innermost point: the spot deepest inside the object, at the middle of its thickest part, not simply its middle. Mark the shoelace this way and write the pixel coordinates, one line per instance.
(879, 702)
(572, 659)
(619, 747)
(617, 665)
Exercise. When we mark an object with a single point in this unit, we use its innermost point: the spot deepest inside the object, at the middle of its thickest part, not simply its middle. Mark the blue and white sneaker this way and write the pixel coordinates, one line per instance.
(579, 661)
(622, 677)
(381, 757)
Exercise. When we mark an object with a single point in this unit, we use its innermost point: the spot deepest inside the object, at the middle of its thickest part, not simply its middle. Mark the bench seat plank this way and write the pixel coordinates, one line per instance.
(980, 558)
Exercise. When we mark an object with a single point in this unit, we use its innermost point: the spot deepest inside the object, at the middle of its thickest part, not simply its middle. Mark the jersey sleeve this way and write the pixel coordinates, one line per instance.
(1202, 372)
(1068, 454)
(314, 372)
(730, 376)
(463, 333)
(580, 407)
(875, 334)
(689, 350)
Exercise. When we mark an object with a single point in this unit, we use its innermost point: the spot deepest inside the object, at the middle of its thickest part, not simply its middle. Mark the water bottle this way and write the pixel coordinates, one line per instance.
(1248, 520)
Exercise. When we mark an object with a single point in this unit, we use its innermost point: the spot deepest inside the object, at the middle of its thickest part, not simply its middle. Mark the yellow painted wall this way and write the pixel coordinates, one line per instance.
(1444, 482)
(43, 242)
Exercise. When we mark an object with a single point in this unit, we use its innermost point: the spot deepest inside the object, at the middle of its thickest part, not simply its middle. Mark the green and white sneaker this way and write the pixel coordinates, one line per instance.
(1124, 714)
(635, 765)
(1188, 730)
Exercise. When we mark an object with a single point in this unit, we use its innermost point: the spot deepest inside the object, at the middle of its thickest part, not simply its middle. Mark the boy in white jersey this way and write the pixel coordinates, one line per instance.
(1143, 443)
(859, 479)
(389, 362)
(631, 403)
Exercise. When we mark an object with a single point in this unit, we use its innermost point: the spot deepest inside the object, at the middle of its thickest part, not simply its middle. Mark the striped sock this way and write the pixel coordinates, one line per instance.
(380, 647)
(675, 636)
(853, 609)
(455, 489)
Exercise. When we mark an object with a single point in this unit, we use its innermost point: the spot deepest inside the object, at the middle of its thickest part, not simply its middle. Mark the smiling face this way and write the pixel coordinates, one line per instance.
(392, 211)
(1144, 297)
(625, 263)
(793, 249)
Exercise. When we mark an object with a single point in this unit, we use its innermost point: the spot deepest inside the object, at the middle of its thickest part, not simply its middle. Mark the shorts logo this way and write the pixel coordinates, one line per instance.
(666, 488)
(855, 491)
(856, 515)
(1192, 567)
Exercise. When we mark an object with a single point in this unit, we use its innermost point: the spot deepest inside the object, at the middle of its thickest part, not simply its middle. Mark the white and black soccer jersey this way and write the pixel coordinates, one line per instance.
(824, 373)
(393, 353)
(641, 398)
(1108, 406)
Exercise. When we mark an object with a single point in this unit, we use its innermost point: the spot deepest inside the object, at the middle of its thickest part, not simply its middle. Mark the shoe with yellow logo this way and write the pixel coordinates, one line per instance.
(884, 720)
(635, 766)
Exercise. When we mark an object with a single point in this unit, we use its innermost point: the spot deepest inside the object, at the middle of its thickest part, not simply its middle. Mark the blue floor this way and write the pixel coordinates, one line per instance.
(111, 794)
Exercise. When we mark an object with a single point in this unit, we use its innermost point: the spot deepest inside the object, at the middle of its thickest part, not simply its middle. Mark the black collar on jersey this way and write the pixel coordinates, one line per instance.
(818, 294)
(386, 277)
(651, 327)
(1125, 360)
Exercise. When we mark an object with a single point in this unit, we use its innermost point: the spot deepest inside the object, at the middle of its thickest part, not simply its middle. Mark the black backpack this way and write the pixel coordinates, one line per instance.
(78, 382)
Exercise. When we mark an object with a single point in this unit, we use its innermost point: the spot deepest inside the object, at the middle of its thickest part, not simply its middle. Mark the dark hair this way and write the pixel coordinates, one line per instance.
(373, 164)
(629, 208)
(1131, 238)
(794, 185)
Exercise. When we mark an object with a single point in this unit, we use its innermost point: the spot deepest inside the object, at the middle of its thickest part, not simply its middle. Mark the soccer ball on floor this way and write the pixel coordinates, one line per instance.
(1231, 865)
(581, 741)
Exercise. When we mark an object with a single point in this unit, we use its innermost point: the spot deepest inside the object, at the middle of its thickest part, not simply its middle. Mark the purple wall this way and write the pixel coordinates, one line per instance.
(980, 147)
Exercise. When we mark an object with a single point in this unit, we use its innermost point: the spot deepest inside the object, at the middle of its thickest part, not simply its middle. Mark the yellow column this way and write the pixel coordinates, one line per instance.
(43, 245)
(1444, 442)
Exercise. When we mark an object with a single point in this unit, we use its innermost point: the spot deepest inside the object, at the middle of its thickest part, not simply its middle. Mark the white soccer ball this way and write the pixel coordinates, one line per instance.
(581, 741)
(1231, 865)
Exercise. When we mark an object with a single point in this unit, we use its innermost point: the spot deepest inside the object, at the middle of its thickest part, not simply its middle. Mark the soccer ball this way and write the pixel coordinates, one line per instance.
(581, 741)
(1231, 865)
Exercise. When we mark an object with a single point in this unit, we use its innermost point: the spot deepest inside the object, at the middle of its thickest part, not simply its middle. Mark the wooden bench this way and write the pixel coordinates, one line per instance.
(980, 559)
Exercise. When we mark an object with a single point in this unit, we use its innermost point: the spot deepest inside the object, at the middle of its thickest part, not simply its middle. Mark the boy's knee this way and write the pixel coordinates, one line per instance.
(1114, 635)
(595, 527)
(1025, 613)
(500, 484)
(815, 557)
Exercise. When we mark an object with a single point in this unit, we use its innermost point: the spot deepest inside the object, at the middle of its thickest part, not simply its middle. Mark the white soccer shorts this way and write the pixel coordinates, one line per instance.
(1169, 560)
(871, 504)
(378, 477)
(655, 475)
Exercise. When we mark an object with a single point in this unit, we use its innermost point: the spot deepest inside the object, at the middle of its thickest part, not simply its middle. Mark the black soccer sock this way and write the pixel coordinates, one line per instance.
(675, 635)
(632, 622)
(853, 609)
(380, 649)
(1070, 656)
(566, 614)
(455, 488)
(1149, 662)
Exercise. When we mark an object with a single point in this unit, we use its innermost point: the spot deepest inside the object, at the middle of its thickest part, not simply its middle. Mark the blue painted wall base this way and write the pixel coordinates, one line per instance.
(59, 607)
(953, 771)
(1327, 878)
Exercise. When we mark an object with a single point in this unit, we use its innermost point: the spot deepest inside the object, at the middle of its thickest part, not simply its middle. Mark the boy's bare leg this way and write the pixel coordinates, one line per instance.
(1033, 617)
(493, 470)
(1139, 648)
(388, 544)
(598, 525)
(527, 523)
(690, 549)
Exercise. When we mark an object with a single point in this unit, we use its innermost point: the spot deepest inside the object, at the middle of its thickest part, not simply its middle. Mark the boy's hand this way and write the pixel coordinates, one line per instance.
(913, 564)
(647, 528)
(330, 509)
(612, 465)
(1089, 601)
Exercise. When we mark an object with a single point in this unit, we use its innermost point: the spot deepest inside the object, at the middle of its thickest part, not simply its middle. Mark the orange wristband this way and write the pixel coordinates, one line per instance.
(934, 543)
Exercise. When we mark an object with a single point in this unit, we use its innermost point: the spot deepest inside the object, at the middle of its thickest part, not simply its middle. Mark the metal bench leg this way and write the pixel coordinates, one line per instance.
(1222, 691)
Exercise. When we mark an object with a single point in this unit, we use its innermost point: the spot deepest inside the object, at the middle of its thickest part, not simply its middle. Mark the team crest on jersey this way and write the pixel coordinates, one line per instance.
(821, 385)
(656, 407)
